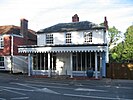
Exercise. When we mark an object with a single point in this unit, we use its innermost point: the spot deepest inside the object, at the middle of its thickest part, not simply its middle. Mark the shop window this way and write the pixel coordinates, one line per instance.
(40, 61)
(74, 61)
(82, 61)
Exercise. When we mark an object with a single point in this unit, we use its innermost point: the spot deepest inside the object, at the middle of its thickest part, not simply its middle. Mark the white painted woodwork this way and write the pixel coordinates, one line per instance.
(63, 49)
(98, 36)
(20, 64)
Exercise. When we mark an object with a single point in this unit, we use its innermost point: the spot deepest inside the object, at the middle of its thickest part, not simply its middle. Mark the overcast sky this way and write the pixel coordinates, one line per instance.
(44, 13)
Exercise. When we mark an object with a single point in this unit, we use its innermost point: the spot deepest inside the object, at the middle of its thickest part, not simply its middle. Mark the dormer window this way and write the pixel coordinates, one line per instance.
(1, 42)
(88, 37)
(68, 38)
(49, 38)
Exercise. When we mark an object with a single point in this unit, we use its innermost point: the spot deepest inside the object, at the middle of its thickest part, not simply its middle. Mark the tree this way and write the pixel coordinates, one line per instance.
(128, 44)
(114, 35)
(124, 50)
(116, 53)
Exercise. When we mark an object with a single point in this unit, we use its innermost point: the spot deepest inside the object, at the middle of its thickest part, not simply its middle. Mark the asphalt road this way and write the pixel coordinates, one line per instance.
(21, 87)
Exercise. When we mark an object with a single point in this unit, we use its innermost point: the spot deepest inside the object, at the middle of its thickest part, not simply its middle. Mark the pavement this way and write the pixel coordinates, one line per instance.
(22, 86)
(104, 81)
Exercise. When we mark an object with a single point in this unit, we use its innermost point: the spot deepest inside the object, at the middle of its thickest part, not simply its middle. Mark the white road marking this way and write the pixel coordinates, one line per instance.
(2, 99)
(48, 91)
(85, 89)
(57, 87)
(95, 97)
(25, 85)
(14, 92)
(16, 89)
(20, 98)
(37, 89)
(31, 85)
(109, 86)
(48, 83)
(123, 87)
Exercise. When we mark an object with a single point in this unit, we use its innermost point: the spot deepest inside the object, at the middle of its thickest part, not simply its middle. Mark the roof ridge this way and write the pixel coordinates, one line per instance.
(73, 22)
(8, 26)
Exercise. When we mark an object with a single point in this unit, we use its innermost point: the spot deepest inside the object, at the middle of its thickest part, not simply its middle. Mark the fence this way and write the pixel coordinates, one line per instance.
(120, 70)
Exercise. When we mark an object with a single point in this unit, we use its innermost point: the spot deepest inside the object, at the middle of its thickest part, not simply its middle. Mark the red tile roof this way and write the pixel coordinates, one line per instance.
(9, 29)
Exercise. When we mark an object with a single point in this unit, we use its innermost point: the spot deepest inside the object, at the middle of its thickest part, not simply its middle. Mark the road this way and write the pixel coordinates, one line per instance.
(19, 87)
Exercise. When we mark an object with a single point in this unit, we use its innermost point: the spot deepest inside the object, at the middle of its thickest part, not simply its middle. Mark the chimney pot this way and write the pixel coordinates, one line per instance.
(75, 18)
(106, 23)
(24, 28)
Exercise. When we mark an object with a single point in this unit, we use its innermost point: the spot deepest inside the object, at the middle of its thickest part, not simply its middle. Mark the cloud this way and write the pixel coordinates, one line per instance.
(45, 13)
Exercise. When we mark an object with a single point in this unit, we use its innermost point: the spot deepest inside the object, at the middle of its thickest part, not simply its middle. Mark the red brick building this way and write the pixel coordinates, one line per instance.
(10, 38)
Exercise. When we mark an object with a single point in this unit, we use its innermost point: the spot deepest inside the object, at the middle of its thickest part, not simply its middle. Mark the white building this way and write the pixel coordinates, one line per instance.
(68, 49)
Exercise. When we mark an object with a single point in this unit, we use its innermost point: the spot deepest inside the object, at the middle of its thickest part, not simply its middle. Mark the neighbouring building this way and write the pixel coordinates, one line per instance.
(10, 37)
(69, 49)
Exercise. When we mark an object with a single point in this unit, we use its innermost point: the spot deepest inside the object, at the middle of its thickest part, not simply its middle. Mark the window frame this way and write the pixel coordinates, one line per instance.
(49, 38)
(2, 61)
(68, 38)
(1, 42)
(88, 37)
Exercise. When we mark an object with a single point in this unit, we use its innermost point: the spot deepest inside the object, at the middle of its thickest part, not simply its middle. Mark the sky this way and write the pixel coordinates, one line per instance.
(45, 13)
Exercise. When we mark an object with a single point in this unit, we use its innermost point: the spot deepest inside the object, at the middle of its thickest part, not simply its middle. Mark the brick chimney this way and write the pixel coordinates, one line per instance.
(75, 18)
(105, 23)
(24, 29)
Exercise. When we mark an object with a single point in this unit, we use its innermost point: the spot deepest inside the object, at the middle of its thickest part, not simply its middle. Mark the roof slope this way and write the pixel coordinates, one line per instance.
(73, 26)
(11, 29)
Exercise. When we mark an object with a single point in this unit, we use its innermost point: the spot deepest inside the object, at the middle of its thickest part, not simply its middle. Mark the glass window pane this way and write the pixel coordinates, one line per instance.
(83, 61)
(1, 61)
(49, 38)
(87, 37)
(46, 61)
(34, 62)
(79, 61)
(68, 37)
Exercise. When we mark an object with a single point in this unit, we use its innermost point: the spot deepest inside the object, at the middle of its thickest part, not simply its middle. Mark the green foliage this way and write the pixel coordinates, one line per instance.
(101, 24)
(116, 53)
(124, 50)
(128, 45)
(114, 36)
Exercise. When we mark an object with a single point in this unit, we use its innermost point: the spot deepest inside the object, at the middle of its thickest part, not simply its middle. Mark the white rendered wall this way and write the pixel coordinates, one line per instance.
(77, 37)
(41, 39)
(62, 63)
(98, 36)
(20, 64)
(7, 63)
(59, 38)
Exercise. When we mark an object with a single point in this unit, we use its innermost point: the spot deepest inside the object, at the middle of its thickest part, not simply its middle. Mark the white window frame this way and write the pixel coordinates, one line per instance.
(2, 62)
(68, 38)
(87, 37)
(1, 42)
(49, 38)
